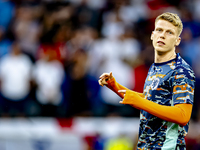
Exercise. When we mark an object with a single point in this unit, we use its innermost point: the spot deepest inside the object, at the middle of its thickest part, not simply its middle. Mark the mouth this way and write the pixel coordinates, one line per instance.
(161, 43)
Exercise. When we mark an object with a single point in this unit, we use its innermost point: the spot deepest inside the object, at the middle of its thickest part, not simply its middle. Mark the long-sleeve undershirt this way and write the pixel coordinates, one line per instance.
(180, 113)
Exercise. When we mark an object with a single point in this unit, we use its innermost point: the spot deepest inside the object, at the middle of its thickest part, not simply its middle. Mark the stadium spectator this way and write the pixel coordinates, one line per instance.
(48, 74)
(15, 77)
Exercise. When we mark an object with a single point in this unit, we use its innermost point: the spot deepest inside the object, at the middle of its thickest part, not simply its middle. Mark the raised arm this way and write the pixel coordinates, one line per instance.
(108, 80)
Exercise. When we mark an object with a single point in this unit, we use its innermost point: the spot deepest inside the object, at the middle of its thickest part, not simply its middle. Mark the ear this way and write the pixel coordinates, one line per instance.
(152, 35)
(178, 40)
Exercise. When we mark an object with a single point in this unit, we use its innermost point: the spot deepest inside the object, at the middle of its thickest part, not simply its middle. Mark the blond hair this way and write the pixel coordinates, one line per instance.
(172, 18)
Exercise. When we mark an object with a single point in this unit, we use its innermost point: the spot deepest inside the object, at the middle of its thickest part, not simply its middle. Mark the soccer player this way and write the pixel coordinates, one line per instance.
(167, 99)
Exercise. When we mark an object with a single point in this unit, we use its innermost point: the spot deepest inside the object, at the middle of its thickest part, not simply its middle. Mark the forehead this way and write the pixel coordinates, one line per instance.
(166, 25)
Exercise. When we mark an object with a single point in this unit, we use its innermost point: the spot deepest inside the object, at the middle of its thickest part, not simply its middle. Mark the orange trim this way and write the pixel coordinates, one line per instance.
(150, 78)
(183, 89)
(179, 76)
(159, 89)
(159, 144)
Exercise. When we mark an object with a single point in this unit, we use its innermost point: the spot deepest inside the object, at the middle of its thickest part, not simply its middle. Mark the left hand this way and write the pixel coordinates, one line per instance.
(124, 92)
(102, 82)
(104, 78)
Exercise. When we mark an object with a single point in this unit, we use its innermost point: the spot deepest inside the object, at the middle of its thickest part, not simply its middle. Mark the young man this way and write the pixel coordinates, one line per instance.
(167, 99)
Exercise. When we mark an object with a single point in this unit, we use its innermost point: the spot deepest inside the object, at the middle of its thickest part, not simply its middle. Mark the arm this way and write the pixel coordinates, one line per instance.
(179, 113)
(115, 87)
(108, 80)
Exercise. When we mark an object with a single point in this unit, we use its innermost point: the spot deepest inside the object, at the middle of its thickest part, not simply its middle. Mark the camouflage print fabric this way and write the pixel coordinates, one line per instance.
(167, 83)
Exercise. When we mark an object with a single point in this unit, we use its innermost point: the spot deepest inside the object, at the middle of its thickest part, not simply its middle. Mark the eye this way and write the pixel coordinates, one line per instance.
(170, 32)
(158, 30)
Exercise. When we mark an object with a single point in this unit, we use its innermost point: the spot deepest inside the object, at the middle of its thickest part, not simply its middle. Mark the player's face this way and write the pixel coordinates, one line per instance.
(165, 36)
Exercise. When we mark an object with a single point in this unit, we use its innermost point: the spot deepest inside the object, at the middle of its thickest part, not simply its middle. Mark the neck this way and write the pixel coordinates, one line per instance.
(164, 57)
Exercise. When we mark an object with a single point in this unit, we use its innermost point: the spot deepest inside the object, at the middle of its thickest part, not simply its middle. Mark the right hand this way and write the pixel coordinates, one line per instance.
(105, 77)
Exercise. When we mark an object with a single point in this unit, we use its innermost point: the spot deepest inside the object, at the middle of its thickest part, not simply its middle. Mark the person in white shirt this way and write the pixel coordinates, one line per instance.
(15, 77)
(48, 75)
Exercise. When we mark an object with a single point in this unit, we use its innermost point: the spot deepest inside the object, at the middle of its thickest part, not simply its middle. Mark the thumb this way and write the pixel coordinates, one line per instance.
(111, 73)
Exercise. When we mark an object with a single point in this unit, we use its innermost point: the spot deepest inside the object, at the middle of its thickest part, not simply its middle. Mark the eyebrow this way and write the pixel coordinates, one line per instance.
(171, 31)
(166, 29)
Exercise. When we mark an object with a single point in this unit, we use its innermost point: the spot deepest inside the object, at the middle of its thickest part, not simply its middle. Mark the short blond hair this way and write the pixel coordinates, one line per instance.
(172, 18)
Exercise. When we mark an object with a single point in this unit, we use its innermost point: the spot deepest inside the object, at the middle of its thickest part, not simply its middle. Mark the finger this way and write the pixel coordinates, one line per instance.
(100, 83)
(111, 74)
(103, 81)
(104, 75)
(122, 91)
(121, 102)
(107, 75)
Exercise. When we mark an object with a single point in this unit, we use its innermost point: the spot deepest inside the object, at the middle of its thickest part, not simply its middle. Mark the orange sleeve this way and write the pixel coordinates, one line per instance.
(115, 87)
(179, 114)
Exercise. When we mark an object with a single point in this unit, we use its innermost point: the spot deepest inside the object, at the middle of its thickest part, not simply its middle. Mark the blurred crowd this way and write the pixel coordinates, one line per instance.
(53, 52)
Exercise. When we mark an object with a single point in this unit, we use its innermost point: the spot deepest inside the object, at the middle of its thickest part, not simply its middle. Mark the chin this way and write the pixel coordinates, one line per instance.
(161, 50)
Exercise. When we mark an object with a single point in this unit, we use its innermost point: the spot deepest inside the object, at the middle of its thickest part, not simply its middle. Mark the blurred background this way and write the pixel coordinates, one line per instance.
(52, 53)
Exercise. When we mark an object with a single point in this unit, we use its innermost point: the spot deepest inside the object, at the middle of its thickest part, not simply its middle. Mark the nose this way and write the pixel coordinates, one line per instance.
(162, 35)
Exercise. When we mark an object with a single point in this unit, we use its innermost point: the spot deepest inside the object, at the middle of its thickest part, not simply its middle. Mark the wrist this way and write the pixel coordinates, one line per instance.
(110, 80)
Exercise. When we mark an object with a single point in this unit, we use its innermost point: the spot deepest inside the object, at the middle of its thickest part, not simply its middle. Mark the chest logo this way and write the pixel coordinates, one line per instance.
(155, 83)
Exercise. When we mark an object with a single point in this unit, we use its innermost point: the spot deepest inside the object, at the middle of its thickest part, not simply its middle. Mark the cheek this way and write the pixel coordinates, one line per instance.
(153, 42)
(172, 42)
